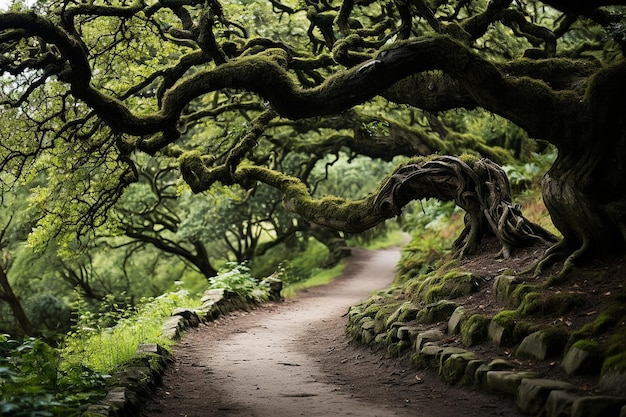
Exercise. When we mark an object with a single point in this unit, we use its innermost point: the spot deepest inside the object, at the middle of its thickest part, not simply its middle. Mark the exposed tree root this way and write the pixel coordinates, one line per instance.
(480, 187)
(561, 251)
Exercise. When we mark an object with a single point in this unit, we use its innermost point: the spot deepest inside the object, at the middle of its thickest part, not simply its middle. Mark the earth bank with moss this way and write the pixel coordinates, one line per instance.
(555, 343)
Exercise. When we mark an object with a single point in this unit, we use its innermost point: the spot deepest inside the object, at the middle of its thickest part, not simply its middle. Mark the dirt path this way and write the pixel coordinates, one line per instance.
(294, 359)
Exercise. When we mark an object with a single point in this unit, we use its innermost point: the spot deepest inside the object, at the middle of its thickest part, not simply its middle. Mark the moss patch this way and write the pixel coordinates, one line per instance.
(474, 329)
(615, 363)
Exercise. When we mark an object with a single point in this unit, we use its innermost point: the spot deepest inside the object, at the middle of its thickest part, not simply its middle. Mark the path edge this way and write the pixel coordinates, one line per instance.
(137, 378)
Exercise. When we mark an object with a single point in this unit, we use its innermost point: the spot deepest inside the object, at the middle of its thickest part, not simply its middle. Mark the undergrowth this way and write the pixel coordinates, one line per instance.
(35, 381)
(95, 344)
(39, 380)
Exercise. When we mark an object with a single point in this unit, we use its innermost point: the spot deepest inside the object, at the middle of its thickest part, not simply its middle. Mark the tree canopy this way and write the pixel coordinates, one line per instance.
(226, 90)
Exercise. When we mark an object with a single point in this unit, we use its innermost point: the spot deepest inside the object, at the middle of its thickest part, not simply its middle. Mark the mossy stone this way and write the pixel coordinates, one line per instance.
(542, 303)
(436, 312)
(474, 330)
(533, 393)
(456, 319)
(469, 377)
(452, 285)
(404, 312)
(454, 367)
(542, 344)
(428, 357)
(582, 358)
(613, 377)
(520, 292)
(427, 336)
(507, 381)
(503, 287)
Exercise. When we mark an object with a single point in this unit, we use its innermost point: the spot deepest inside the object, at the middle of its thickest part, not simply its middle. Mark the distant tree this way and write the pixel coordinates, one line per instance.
(7, 294)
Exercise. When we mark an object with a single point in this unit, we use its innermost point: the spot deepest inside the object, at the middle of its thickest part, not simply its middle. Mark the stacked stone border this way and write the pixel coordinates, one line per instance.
(424, 331)
(136, 379)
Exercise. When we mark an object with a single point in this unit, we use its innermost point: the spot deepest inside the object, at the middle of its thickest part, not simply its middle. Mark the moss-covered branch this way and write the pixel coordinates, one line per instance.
(480, 187)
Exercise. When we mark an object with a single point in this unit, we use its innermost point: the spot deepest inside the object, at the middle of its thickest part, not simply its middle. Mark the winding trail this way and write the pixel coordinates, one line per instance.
(293, 359)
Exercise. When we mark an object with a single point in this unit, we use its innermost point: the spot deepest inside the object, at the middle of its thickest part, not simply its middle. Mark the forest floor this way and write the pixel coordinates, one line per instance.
(294, 358)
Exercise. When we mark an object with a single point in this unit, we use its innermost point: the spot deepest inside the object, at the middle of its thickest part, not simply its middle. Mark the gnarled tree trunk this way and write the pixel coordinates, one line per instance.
(480, 188)
(585, 189)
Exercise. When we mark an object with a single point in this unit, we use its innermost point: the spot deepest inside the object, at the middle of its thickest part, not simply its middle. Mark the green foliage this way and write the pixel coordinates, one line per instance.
(236, 277)
(103, 341)
(293, 262)
(317, 278)
(524, 176)
(35, 382)
(49, 313)
(390, 235)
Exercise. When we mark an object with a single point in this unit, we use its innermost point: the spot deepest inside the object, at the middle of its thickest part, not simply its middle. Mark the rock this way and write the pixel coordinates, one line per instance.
(469, 377)
(173, 327)
(427, 336)
(121, 398)
(503, 287)
(275, 285)
(500, 364)
(532, 393)
(367, 337)
(367, 323)
(138, 379)
(580, 361)
(428, 357)
(453, 368)
(506, 381)
(613, 382)
(474, 329)
(480, 376)
(454, 324)
(540, 345)
(559, 404)
(408, 333)
(459, 284)
(212, 296)
(152, 348)
(446, 352)
(392, 335)
(598, 406)
(435, 312)
(407, 311)
(100, 410)
(191, 317)
(500, 335)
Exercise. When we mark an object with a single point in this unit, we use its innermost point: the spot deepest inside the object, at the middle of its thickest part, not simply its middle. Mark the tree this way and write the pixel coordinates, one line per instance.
(89, 84)
(14, 223)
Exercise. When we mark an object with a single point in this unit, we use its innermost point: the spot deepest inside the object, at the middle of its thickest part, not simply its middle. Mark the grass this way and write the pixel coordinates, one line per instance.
(395, 237)
(102, 349)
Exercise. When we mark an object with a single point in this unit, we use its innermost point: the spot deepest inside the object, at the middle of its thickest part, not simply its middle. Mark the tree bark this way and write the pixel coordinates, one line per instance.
(584, 190)
(481, 189)
(7, 295)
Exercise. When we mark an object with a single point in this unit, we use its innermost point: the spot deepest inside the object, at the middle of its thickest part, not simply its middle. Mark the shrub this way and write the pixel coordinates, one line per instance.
(35, 382)
(237, 278)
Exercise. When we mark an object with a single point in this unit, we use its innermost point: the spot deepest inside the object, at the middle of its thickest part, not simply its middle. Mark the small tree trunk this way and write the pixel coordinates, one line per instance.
(337, 246)
(15, 305)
